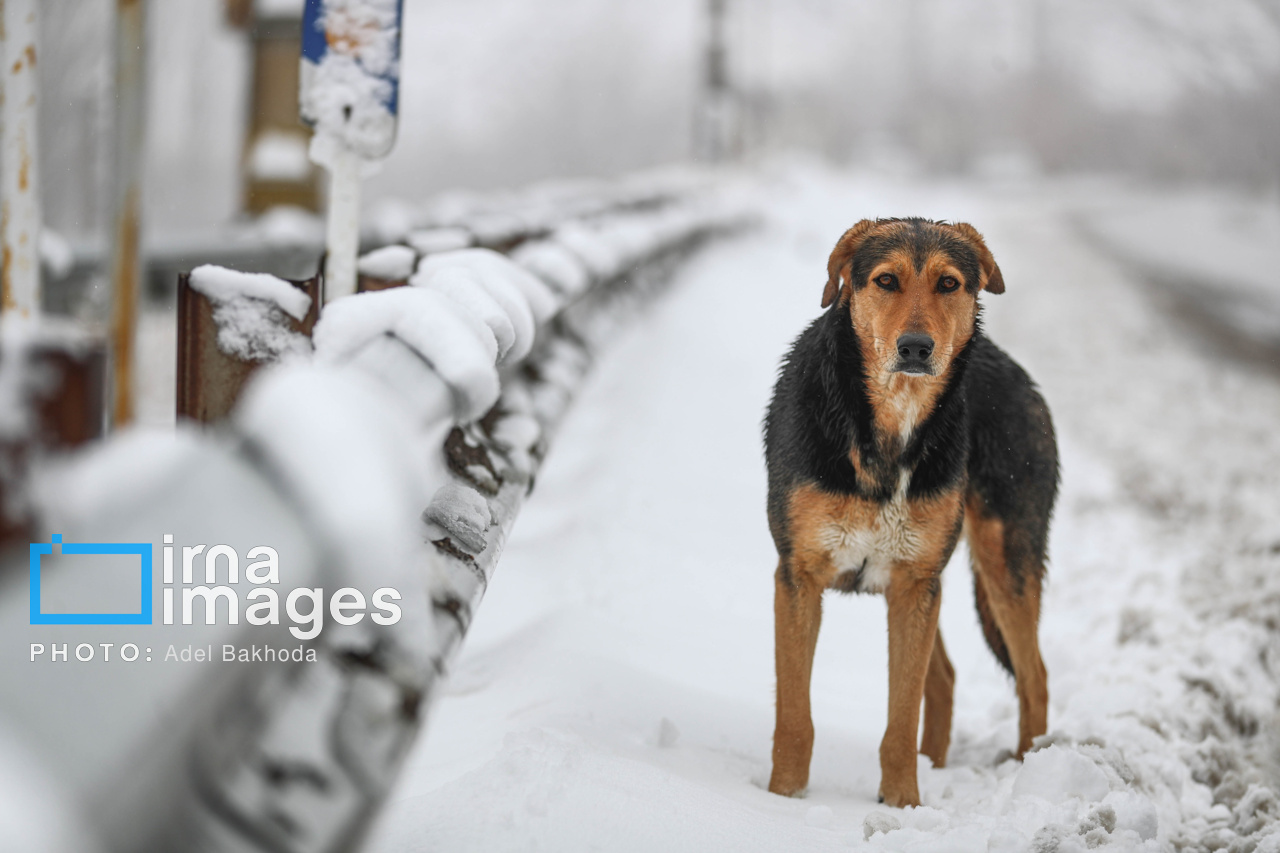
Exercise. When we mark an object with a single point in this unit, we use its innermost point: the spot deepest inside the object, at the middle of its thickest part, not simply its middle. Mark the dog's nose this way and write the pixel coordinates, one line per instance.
(914, 346)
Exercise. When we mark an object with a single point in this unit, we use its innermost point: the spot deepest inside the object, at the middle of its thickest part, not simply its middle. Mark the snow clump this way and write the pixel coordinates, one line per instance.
(463, 513)
(390, 263)
(491, 266)
(249, 310)
(458, 345)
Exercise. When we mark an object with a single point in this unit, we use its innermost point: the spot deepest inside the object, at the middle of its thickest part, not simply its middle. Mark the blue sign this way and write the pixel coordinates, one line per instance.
(142, 617)
(351, 60)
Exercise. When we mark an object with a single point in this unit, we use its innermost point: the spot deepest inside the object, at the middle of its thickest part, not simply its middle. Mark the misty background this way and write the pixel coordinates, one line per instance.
(505, 92)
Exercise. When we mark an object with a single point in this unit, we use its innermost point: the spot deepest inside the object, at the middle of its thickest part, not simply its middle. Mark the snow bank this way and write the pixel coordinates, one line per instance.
(1056, 775)
(249, 310)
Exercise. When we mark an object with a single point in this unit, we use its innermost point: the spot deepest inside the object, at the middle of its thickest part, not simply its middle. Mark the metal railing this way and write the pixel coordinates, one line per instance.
(368, 466)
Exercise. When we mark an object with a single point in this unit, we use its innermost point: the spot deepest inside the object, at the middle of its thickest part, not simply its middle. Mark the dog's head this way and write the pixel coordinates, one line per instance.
(911, 289)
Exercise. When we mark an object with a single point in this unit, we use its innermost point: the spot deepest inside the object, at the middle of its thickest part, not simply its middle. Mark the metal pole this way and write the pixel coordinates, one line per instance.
(716, 129)
(343, 226)
(128, 135)
(19, 184)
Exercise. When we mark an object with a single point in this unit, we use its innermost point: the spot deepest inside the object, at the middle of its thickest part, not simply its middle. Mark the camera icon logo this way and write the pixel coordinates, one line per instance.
(141, 617)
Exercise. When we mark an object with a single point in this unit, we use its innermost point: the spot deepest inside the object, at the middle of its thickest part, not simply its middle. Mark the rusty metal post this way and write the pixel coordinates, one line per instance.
(56, 381)
(128, 135)
(210, 380)
(367, 283)
(19, 186)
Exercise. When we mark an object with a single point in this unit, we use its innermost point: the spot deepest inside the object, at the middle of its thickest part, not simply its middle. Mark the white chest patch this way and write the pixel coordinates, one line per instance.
(871, 550)
(908, 408)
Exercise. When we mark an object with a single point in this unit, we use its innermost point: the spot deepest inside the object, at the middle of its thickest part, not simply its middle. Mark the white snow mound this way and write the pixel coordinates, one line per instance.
(1057, 775)
(463, 512)
(458, 345)
(463, 287)
(491, 265)
(512, 300)
(390, 263)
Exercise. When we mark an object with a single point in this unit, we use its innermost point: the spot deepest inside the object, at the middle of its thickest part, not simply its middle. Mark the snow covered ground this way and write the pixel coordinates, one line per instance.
(1214, 252)
(616, 690)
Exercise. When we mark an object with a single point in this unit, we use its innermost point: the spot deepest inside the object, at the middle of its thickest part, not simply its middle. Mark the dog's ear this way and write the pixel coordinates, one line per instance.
(992, 280)
(838, 263)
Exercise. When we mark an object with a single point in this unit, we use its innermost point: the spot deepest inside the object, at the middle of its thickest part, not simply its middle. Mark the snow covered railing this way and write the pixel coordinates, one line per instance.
(379, 469)
(503, 219)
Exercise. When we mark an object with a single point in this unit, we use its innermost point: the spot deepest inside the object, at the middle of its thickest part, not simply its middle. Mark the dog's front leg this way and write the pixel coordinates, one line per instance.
(797, 614)
(914, 597)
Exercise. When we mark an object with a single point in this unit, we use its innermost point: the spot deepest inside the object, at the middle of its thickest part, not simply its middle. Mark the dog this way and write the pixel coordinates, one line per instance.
(896, 425)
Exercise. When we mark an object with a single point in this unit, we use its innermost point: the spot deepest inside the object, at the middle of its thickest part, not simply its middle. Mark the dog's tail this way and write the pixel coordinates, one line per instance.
(990, 630)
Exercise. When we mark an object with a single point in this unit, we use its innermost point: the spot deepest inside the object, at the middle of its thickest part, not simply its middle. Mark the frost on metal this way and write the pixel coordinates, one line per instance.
(350, 68)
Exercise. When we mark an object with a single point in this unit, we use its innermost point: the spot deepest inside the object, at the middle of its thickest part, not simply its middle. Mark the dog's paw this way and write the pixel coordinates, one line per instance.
(900, 798)
(786, 789)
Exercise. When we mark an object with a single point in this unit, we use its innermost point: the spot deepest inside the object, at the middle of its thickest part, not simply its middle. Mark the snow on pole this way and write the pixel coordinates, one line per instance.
(128, 133)
(19, 187)
(350, 95)
(229, 325)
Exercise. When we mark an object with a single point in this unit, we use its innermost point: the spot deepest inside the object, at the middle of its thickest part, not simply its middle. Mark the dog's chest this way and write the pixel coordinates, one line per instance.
(863, 539)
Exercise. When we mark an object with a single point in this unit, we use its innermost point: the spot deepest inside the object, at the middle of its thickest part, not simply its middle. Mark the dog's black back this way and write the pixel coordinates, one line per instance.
(990, 431)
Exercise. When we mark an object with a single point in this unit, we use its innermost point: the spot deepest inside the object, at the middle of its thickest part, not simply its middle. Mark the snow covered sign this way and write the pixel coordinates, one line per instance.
(349, 94)
(350, 82)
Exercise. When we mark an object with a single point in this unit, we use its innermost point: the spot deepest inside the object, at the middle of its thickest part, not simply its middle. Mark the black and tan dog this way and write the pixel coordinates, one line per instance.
(896, 424)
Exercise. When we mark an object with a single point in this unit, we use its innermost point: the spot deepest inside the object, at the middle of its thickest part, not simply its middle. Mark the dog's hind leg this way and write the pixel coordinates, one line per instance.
(913, 601)
(939, 695)
(797, 612)
(1007, 587)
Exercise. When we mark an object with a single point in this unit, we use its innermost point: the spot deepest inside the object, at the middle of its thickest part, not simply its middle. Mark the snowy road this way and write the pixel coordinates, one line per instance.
(616, 691)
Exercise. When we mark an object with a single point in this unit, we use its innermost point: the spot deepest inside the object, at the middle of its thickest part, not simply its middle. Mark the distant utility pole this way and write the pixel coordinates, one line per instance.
(19, 184)
(717, 126)
(1042, 47)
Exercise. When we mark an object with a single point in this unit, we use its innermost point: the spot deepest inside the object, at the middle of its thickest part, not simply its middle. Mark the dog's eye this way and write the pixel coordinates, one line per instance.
(948, 283)
(888, 281)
